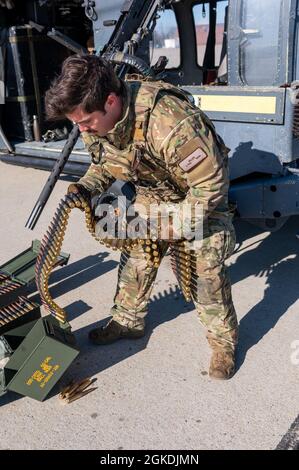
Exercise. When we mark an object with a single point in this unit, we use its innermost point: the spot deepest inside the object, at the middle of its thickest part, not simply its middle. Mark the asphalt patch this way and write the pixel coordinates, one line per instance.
(290, 441)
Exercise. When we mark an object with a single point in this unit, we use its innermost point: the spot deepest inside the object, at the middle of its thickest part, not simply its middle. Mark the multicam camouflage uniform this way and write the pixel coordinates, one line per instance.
(151, 146)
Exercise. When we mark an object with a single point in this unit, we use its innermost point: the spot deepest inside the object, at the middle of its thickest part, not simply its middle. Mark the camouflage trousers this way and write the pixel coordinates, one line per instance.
(214, 303)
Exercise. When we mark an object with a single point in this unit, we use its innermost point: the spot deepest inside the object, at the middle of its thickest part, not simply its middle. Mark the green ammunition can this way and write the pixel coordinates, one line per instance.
(40, 360)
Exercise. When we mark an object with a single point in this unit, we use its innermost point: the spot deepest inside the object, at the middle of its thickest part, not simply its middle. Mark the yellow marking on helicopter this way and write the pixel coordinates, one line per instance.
(237, 103)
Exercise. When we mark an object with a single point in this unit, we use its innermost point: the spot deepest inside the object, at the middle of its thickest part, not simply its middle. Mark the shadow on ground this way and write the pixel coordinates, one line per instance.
(276, 259)
(164, 307)
(77, 274)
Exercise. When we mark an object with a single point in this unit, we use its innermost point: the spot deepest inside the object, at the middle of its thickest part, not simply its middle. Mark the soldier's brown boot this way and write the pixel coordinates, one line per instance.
(222, 364)
(112, 332)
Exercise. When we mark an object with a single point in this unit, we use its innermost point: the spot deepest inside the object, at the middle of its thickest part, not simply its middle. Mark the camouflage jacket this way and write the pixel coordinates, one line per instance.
(166, 146)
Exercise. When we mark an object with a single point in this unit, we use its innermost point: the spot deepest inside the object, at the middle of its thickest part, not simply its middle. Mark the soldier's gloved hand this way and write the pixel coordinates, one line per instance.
(77, 188)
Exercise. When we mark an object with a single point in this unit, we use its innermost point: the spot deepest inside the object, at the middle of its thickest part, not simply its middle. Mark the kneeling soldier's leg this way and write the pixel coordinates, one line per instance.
(214, 305)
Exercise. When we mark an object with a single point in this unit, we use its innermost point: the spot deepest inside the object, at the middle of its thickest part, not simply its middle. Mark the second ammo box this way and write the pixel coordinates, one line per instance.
(21, 270)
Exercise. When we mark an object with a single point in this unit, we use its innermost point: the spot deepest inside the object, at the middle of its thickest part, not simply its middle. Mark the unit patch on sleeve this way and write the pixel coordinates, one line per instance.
(192, 160)
(191, 154)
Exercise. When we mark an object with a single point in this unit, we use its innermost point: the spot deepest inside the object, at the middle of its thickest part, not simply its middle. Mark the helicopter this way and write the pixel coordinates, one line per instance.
(237, 58)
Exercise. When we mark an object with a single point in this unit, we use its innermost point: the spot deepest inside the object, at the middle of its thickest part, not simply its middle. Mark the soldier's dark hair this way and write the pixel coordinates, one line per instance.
(85, 80)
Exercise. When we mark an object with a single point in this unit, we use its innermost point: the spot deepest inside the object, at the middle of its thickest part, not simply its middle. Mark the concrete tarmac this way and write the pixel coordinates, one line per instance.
(154, 392)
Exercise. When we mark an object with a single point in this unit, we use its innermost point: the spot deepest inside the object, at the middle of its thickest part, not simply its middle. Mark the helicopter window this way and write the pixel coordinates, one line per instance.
(201, 15)
(259, 41)
(202, 18)
(166, 40)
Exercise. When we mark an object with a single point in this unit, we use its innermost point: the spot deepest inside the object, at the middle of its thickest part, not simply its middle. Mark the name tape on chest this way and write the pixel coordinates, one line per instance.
(192, 160)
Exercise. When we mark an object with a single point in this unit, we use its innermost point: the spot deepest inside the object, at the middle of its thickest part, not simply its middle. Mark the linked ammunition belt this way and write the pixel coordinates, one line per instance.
(3, 277)
(15, 310)
(183, 263)
(7, 285)
(53, 239)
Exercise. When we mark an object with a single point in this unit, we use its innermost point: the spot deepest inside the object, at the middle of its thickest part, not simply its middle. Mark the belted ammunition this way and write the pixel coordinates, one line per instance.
(52, 241)
(4, 319)
(3, 277)
(188, 277)
(9, 286)
(16, 309)
(76, 200)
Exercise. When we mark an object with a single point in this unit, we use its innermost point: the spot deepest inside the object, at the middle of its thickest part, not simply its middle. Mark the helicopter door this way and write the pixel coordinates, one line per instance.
(261, 38)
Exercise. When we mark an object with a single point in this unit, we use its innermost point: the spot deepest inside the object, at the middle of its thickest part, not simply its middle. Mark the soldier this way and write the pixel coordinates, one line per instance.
(149, 133)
